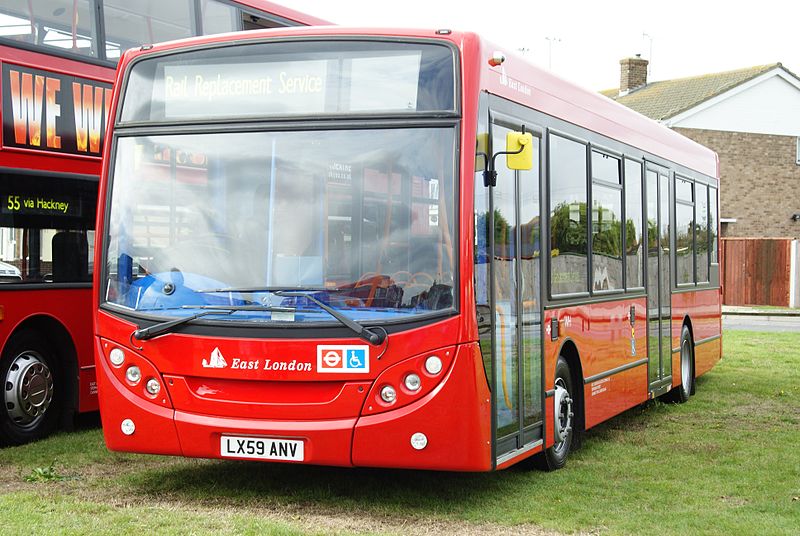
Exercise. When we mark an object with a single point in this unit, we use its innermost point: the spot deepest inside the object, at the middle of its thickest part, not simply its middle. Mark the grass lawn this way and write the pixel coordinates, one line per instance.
(727, 462)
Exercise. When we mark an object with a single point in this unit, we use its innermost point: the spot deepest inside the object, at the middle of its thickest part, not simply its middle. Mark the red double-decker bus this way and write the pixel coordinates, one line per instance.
(57, 59)
(400, 249)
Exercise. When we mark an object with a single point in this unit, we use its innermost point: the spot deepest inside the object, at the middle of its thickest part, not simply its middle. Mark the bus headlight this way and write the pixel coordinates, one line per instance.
(133, 374)
(433, 365)
(152, 386)
(412, 382)
(388, 394)
(117, 357)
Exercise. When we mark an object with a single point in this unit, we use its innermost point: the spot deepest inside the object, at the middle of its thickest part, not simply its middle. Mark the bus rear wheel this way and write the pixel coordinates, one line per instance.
(555, 457)
(681, 393)
(31, 390)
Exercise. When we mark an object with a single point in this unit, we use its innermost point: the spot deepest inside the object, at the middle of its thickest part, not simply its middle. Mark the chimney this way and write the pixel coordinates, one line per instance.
(632, 74)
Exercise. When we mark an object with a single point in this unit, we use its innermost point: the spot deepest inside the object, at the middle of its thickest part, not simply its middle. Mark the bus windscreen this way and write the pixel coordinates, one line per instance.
(363, 217)
(292, 79)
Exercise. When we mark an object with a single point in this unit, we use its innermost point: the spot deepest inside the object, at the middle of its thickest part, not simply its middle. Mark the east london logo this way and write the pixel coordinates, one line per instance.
(218, 361)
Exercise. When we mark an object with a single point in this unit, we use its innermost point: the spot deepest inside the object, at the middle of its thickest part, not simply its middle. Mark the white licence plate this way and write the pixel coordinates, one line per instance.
(261, 448)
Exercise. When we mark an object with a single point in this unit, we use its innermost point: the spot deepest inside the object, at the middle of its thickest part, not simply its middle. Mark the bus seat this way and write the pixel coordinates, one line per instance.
(70, 257)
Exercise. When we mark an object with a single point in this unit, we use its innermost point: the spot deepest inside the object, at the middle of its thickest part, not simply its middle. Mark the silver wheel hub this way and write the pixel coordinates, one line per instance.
(564, 413)
(686, 365)
(28, 388)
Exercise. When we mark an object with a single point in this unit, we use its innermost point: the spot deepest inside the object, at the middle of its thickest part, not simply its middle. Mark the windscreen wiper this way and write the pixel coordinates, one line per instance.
(363, 333)
(155, 330)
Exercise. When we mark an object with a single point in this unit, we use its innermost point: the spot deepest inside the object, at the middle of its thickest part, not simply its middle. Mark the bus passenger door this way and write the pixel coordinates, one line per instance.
(516, 300)
(659, 347)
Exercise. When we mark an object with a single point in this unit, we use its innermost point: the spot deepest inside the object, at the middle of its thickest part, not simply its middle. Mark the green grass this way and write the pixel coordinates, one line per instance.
(32, 513)
(727, 462)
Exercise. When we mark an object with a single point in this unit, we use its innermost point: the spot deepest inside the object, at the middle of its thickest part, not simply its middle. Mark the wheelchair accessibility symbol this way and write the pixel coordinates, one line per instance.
(342, 358)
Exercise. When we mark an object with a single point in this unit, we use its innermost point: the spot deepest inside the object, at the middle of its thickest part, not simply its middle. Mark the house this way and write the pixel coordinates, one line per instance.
(751, 118)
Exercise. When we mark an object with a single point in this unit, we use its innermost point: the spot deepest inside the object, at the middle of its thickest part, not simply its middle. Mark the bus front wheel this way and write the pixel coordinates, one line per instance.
(31, 389)
(555, 457)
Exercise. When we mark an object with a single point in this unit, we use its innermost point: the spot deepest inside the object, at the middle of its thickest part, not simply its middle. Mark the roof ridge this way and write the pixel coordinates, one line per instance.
(755, 68)
(663, 99)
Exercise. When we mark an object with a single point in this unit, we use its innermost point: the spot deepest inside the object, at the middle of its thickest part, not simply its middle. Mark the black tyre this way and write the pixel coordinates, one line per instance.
(564, 427)
(33, 392)
(681, 393)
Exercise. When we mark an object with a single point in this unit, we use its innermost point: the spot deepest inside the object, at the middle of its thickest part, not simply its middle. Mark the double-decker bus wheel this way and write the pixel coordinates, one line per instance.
(30, 384)
(563, 428)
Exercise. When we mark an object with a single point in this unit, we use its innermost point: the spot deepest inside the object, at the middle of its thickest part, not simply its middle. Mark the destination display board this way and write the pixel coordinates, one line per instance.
(257, 81)
(231, 89)
(39, 205)
(53, 112)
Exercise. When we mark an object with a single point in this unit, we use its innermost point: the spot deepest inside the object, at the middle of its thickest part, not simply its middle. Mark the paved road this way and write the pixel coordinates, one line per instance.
(761, 323)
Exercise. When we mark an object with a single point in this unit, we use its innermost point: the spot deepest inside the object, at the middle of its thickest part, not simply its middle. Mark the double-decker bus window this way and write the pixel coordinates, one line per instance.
(701, 233)
(634, 238)
(606, 223)
(684, 235)
(63, 24)
(568, 219)
(129, 24)
(218, 17)
(46, 234)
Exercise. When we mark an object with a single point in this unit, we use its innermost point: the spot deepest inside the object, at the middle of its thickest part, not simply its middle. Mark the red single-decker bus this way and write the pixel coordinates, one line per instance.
(384, 248)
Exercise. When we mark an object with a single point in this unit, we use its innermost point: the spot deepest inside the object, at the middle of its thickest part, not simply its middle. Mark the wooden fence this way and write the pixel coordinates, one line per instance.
(757, 271)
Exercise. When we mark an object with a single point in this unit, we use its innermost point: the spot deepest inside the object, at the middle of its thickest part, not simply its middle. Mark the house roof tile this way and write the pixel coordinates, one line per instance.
(668, 98)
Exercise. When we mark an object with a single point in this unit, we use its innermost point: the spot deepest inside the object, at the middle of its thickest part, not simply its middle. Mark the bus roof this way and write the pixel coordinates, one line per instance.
(533, 86)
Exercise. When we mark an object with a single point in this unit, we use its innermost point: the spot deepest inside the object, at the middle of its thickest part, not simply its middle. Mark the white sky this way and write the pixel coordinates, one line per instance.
(689, 37)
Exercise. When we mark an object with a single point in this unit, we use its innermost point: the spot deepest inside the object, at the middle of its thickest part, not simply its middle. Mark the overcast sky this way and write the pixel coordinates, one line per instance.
(588, 38)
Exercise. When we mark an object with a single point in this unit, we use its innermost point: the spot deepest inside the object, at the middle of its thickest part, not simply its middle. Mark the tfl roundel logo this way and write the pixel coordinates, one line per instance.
(343, 358)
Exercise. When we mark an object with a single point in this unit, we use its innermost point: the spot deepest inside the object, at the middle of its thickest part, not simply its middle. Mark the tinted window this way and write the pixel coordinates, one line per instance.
(218, 17)
(634, 254)
(568, 219)
(684, 231)
(130, 24)
(683, 190)
(701, 233)
(606, 223)
(605, 167)
(713, 219)
(63, 24)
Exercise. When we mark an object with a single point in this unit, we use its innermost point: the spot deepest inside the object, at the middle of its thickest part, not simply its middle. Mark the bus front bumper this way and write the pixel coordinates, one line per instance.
(454, 420)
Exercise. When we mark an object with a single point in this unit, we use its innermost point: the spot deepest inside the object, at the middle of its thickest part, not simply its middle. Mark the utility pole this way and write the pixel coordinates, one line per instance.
(551, 40)
(649, 56)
